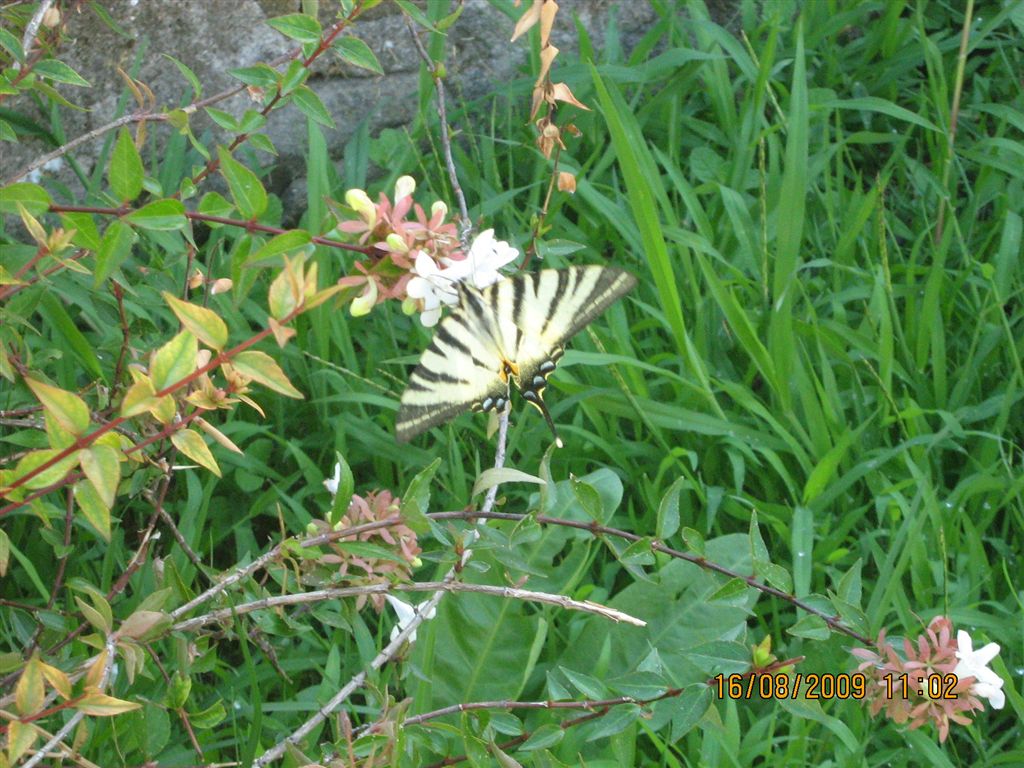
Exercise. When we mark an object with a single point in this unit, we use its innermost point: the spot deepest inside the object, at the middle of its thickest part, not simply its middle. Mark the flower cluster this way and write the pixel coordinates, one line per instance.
(936, 680)
(418, 260)
(361, 565)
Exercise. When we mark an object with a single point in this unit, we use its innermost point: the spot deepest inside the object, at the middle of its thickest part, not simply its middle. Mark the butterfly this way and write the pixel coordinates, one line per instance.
(511, 331)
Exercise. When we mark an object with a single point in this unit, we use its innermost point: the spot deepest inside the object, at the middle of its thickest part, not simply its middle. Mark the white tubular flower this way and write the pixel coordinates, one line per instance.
(439, 209)
(433, 286)
(405, 615)
(360, 202)
(404, 186)
(486, 256)
(974, 664)
(362, 304)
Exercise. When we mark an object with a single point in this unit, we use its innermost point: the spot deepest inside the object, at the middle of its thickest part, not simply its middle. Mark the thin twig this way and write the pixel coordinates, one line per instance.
(30, 31)
(422, 611)
(465, 225)
(835, 622)
(336, 593)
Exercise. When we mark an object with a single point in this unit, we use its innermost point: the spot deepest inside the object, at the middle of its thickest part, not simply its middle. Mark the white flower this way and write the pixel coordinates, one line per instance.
(360, 202)
(406, 613)
(486, 256)
(974, 664)
(331, 484)
(435, 285)
(404, 186)
(363, 303)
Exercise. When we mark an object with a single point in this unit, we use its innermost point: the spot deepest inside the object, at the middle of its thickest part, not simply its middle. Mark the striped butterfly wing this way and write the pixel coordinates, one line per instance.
(512, 330)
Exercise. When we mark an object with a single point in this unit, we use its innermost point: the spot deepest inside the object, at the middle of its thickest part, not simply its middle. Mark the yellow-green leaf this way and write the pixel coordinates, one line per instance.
(93, 508)
(286, 292)
(56, 677)
(139, 398)
(30, 691)
(20, 737)
(191, 443)
(101, 622)
(5, 552)
(260, 367)
(49, 475)
(67, 408)
(204, 323)
(174, 360)
(164, 409)
(99, 704)
(102, 466)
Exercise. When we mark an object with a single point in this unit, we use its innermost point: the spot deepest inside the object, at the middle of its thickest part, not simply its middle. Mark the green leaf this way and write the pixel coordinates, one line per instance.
(293, 77)
(87, 235)
(496, 476)
(589, 499)
(225, 120)
(310, 105)
(260, 76)
(204, 323)
(357, 53)
(174, 361)
(126, 171)
(297, 26)
(416, 499)
(343, 494)
(188, 74)
(208, 718)
(413, 12)
(12, 45)
(98, 613)
(637, 553)
(67, 408)
(191, 443)
(161, 215)
(668, 510)
(101, 465)
(115, 247)
(268, 254)
(811, 627)
(35, 199)
(59, 72)
(246, 190)
(178, 691)
(215, 204)
(261, 367)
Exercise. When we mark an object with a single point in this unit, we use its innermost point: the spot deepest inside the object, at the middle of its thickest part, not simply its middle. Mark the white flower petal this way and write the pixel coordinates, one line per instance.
(332, 483)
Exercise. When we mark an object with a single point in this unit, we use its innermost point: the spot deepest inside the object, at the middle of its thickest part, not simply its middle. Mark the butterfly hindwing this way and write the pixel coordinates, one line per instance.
(511, 330)
(458, 369)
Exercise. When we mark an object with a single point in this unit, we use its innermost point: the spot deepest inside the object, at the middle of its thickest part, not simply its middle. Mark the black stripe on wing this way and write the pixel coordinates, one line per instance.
(611, 283)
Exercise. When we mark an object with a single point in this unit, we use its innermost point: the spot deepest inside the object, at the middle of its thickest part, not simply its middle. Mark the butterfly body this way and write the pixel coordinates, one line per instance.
(510, 332)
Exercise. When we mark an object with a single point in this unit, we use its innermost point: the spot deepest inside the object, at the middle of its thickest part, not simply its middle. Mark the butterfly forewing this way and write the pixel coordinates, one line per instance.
(514, 328)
